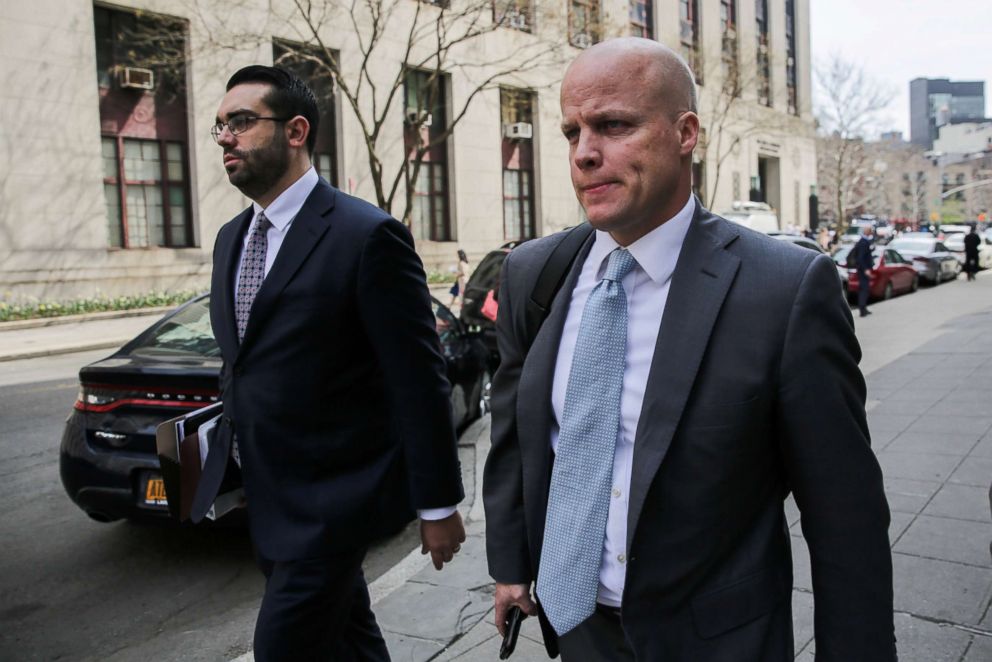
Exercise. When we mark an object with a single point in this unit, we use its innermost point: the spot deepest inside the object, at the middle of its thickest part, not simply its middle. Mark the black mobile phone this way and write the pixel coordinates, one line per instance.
(514, 617)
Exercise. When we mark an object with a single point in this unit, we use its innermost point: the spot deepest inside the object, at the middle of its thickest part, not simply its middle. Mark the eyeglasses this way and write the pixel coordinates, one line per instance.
(239, 124)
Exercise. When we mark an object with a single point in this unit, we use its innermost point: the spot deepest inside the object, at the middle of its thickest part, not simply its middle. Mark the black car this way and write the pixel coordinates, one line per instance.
(108, 462)
(483, 281)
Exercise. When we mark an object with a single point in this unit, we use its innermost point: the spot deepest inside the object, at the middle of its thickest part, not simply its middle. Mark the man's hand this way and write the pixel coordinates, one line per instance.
(508, 595)
(442, 538)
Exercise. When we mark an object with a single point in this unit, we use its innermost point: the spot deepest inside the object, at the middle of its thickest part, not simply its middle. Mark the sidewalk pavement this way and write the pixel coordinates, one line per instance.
(929, 371)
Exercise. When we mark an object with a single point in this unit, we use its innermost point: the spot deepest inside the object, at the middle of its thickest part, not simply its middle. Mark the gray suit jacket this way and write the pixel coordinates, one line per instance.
(754, 391)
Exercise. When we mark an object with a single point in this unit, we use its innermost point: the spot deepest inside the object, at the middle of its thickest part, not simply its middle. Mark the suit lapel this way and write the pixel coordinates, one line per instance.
(307, 228)
(228, 259)
(702, 278)
(536, 380)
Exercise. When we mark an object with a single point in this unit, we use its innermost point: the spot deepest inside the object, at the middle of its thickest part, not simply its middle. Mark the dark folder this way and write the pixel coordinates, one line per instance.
(178, 441)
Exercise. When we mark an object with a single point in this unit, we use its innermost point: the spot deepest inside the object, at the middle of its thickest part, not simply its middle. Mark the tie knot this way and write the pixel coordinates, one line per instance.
(620, 264)
(262, 224)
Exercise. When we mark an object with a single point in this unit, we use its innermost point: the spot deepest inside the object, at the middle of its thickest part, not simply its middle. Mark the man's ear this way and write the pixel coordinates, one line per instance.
(297, 130)
(688, 126)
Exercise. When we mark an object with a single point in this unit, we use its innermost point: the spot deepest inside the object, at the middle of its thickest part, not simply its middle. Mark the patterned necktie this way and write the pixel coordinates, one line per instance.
(252, 273)
(579, 500)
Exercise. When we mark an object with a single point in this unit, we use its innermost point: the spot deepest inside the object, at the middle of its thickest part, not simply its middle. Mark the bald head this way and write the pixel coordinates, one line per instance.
(645, 62)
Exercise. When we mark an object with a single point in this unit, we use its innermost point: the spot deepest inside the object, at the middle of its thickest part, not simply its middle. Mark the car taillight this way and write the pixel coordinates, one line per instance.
(104, 397)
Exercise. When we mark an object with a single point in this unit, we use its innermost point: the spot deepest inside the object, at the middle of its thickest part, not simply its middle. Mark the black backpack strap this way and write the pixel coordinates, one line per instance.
(551, 278)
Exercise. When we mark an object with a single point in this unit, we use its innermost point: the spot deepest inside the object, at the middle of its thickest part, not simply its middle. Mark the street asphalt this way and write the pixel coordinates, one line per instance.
(928, 365)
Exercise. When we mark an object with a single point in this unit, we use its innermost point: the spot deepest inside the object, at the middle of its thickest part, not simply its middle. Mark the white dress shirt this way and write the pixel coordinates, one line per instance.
(281, 213)
(646, 287)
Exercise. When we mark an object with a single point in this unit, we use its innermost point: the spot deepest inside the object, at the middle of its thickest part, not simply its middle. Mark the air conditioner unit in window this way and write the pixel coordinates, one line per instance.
(518, 131)
(517, 21)
(418, 118)
(136, 78)
(582, 40)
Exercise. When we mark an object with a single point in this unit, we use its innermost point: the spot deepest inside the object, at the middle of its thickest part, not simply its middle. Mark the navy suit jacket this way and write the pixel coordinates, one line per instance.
(754, 391)
(337, 394)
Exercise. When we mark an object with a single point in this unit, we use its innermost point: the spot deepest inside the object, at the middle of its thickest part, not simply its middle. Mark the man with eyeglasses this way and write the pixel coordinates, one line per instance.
(335, 398)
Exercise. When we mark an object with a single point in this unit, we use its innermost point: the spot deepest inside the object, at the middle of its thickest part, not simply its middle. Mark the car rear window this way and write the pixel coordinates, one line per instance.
(914, 245)
(185, 333)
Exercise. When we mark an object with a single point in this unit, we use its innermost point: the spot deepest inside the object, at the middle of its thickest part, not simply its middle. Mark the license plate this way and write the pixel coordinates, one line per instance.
(154, 492)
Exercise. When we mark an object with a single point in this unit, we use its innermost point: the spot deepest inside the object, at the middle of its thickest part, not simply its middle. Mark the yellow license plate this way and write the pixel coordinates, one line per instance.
(155, 492)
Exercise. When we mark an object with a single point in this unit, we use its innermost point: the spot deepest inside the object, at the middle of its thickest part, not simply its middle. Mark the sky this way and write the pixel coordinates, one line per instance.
(895, 41)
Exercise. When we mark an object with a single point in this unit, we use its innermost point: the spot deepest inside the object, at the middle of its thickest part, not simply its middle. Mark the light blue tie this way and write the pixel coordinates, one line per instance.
(579, 500)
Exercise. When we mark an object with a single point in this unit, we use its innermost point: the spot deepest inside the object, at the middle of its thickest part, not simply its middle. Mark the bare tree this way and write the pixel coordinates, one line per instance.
(427, 41)
(726, 118)
(849, 104)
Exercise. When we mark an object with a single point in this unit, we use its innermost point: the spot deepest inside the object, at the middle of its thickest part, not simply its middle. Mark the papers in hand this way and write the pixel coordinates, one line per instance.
(183, 444)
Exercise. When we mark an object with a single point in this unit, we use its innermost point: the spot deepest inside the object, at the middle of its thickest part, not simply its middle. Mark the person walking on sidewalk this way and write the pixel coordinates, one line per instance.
(335, 399)
(457, 290)
(864, 262)
(971, 244)
(690, 373)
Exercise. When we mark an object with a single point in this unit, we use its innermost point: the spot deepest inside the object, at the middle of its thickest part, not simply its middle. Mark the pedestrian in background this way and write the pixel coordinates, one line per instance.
(461, 278)
(864, 262)
(971, 242)
(823, 238)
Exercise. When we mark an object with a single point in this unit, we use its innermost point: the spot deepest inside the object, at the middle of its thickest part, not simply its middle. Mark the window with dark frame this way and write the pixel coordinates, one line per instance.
(689, 34)
(729, 46)
(583, 23)
(424, 123)
(517, 117)
(642, 18)
(296, 58)
(514, 14)
(764, 74)
(141, 81)
(790, 56)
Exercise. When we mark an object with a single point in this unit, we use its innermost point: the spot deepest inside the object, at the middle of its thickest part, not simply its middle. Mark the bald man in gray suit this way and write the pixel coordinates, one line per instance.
(735, 381)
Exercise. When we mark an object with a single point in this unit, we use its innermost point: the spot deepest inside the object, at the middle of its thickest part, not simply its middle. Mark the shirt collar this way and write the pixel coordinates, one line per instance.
(284, 208)
(656, 252)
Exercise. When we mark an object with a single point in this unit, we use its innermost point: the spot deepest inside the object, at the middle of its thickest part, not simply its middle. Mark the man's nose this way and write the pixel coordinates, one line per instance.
(225, 138)
(587, 152)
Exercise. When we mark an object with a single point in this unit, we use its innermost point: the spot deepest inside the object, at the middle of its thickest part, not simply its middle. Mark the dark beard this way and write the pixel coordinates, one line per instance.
(261, 167)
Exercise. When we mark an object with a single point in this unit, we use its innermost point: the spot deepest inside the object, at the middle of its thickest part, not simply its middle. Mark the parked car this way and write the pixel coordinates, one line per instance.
(483, 282)
(108, 461)
(839, 257)
(892, 274)
(955, 244)
(929, 256)
(755, 215)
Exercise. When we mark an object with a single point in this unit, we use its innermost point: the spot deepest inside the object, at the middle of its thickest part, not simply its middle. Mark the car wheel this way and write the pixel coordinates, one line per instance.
(485, 391)
(887, 292)
(915, 284)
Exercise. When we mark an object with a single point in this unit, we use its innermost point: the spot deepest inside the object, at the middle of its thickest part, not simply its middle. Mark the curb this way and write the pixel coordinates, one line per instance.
(20, 325)
(64, 349)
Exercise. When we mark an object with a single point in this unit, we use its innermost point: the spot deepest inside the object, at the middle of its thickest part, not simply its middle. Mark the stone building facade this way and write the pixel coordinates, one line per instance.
(111, 183)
